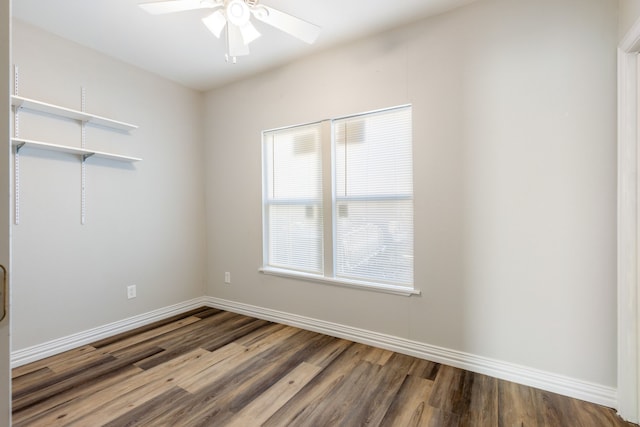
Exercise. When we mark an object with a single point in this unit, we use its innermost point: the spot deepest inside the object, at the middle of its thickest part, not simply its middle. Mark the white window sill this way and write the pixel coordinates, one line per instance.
(368, 286)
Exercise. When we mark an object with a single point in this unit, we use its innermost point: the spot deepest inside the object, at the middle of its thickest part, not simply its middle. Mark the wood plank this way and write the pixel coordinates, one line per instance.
(320, 388)
(228, 336)
(379, 391)
(232, 390)
(116, 400)
(364, 395)
(590, 414)
(262, 334)
(29, 415)
(410, 407)
(271, 366)
(30, 380)
(367, 398)
(206, 328)
(135, 416)
(260, 409)
(425, 369)
(54, 379)
(324, 356)
(288, 341)
(206, 341)
(474, 397)
(347, 392)
(42, 363)
(203, 314)
(226, 359)
(203, 330)
(517, 405)
(179, 338)
(193, 336)
(68, 380)
(483, 401)
(76, 362)
(378, 356)
(159, 323)
(149, 335)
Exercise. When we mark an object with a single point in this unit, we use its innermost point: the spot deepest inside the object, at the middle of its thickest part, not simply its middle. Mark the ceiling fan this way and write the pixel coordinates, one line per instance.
(235, 17)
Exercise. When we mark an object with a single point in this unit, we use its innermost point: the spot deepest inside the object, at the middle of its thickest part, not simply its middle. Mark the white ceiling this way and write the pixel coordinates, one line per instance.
(179, 47)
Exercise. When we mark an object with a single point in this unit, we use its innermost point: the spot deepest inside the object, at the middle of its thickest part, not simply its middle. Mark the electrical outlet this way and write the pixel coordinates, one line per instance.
(227, 277)
(131, 291)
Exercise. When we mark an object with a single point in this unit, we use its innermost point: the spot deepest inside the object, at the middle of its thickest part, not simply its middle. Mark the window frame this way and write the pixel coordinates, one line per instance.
(287, 202)
(330, 202)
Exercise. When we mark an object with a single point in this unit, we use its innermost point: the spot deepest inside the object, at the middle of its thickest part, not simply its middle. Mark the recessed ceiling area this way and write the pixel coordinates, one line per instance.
(180, 48)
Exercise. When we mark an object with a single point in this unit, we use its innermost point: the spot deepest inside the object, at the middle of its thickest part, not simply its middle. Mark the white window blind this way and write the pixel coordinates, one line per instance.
(293, 199)
(374, 197)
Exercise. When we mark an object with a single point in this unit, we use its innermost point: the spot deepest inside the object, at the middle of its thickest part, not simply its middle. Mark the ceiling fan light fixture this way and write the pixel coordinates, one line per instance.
(249, 33)
(215, 22)
(235, 43)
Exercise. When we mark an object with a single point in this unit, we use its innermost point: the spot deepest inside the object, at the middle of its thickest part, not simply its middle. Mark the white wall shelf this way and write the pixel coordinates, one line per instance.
(84, 153)
(20, 104)
(43, 107)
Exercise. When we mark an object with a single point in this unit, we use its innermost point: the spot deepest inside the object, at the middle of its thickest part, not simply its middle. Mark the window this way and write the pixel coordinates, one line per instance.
(293, 199)
(338, 200)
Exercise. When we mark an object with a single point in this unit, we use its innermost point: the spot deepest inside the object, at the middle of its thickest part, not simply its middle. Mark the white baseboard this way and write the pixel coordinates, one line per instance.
(50, 348)
(555, 383)
(560, 384)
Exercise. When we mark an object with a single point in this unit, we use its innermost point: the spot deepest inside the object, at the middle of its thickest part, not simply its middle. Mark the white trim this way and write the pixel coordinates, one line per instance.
(355, 284)
(53, 347)
(567, 386)
(628, 400)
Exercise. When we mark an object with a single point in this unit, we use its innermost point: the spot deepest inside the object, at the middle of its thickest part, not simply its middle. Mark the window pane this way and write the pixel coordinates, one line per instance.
(295, 237)
(375, 241)
(293, 199)
(374, 154)
(374, 197)
(293, 163)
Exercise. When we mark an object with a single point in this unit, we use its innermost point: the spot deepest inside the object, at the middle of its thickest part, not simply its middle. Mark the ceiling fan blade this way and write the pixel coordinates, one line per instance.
(235, 43)
(170, 6)
(249, 33)
(297, 27)
(215, 22)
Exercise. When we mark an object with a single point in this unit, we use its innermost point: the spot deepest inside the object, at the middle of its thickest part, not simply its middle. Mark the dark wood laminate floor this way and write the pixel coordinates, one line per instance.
(214, 368)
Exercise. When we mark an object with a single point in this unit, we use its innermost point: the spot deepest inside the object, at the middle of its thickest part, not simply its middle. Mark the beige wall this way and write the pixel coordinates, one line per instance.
(629, 12)
(144, 223)
(515, 181)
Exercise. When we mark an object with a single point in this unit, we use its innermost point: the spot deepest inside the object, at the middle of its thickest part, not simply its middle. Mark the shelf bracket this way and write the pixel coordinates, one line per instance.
(18, 147)
(86, 156)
